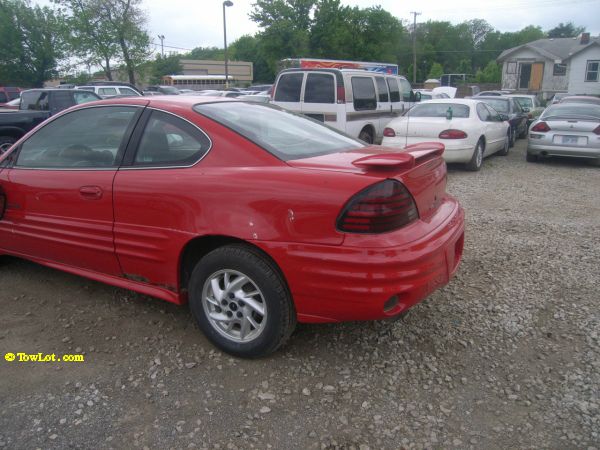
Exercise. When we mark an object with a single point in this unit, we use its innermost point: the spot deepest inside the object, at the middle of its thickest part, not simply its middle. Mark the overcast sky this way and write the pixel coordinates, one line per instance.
(188, 24)
(191, 23)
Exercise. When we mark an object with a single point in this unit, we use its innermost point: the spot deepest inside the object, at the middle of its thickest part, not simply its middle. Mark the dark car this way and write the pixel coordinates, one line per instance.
(517, 118)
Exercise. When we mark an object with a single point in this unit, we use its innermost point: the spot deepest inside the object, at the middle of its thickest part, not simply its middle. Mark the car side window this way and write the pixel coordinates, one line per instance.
(289, 87)
(127, 91)
(394, 91)
(84, 97)
(3, 97)
(320, 88)
(483, 113)
(170, 141)
(494, 115)
(406, 89)
(382, 89)
(363, 91)
(86, 138)
(107, 91)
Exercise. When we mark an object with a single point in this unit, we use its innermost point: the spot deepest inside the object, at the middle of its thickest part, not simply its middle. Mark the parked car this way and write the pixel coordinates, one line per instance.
(469, 129)
(491, 93)
(580, 99)
(259, 217)
(517, 118)
(161, 90)
(428, 94)
(261, 98)
(530, 104)
(108, 91)
(357, 102)
(37, 105)
(13, 104)
(566, 129)
(8, 93)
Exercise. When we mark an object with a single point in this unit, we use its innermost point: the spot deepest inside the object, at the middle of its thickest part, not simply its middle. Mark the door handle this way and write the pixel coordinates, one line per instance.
(90, 192)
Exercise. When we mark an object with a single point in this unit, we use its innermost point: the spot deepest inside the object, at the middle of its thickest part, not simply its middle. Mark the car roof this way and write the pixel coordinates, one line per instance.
(455, 101)
(494, 97)
(581, 97)
(163, 101)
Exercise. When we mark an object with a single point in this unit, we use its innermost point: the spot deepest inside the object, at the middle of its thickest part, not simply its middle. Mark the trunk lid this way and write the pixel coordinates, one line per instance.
(428, 127)
(573, 125)
(419, 167)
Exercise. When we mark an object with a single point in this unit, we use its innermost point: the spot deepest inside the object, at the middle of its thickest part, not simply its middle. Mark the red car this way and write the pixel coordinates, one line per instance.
(256, 216)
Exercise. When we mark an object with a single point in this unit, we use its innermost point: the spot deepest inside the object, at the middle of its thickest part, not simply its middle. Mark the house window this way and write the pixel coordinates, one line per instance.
(591, 73)
(559, 70)
(511, 67)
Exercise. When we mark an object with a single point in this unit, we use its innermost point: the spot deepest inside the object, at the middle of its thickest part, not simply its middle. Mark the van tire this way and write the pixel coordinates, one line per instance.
(6, 142)
(366, 135)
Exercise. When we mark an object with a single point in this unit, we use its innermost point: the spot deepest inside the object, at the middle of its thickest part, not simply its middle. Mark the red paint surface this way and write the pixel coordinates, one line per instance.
(134, 234)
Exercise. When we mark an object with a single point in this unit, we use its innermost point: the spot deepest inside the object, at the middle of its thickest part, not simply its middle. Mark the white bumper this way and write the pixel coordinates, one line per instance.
(456, 150)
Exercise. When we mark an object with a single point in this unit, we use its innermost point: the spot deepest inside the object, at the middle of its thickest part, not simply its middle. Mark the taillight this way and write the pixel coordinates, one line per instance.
(541, 127)
(452, 134)
(341, 94)
(597, 130)
(389, 132)
(382, 207)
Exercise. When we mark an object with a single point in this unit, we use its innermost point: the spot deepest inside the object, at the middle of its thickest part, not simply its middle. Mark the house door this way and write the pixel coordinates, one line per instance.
(537, 73)
(525, 76)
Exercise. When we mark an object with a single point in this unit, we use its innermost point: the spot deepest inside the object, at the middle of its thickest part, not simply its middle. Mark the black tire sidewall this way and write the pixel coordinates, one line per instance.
(268, 281)
(7, 140)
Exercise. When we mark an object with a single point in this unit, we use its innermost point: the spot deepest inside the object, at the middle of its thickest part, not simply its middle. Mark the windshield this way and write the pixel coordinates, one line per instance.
(572, 110)
(499, 105)
(431, 109)
(286, 135)
(524, 102)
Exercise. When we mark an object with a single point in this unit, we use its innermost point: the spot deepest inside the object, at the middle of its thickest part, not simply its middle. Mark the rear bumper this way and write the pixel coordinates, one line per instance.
(560, 150)
(455, 151)
(352, 282)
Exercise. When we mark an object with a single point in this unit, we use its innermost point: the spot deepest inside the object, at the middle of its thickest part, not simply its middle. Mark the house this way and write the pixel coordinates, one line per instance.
(547, 66)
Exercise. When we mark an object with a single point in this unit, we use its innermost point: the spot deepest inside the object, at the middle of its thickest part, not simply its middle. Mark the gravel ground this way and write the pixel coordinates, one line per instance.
(506, 356)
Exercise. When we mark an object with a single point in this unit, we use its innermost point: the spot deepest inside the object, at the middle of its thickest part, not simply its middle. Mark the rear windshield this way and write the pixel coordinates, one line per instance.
(286, 135)
(499, 105)
(572, 110)
(430, 109)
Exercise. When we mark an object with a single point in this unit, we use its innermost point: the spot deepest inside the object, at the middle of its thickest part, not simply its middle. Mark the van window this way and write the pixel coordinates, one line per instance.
(382, 90)
(394, 91)
(363, 91)
(107, 91)
(288, 87)
(320, 88)
(405, 88)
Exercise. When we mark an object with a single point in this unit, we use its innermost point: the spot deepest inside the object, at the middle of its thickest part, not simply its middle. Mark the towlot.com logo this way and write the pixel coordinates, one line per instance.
(42, 357)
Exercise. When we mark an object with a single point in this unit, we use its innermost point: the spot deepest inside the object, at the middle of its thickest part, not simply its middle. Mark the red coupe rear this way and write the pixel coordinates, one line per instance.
(257, 216)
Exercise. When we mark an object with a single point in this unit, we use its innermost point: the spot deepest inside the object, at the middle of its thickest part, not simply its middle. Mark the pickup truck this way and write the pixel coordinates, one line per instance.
(36, 106)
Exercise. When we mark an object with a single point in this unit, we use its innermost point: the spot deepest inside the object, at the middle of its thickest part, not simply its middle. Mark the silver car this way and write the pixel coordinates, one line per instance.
(566, 129)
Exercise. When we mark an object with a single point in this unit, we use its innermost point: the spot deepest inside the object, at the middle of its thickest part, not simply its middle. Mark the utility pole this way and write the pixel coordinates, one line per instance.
(415, 14)
(226, 3)
(162, 48)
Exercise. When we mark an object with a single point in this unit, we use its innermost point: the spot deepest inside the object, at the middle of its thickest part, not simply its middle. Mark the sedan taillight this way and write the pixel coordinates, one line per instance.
(382, 207)
(389, 132)
(597, 130)
(452, 134)
(541, 127)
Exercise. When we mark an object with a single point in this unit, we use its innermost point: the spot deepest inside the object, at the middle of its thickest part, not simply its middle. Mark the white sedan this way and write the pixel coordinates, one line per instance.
(469, 129)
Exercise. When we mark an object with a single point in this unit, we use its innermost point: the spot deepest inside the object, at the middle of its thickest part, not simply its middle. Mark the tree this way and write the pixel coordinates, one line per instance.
(164, 65)
(214, 53)
(492, 73)
(565, 30)
(33, 43)
(436, 71)
(248, 48)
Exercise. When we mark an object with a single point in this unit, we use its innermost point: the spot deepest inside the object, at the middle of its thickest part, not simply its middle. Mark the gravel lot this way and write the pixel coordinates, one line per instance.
(506, 356)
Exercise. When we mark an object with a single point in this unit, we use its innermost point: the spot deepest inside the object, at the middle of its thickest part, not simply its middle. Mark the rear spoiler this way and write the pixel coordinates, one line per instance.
(407, 158)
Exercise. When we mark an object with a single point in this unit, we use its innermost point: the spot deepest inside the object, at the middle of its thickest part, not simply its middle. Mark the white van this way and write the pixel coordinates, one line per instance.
(107, 91)
(358, 102)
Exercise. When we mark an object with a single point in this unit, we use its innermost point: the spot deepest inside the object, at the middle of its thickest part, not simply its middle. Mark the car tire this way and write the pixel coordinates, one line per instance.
(595, 162)
(513, 137)
(366, 136)
(529, 157)
(240, 324)
(506, 146)
(6, 142)
(477, 159)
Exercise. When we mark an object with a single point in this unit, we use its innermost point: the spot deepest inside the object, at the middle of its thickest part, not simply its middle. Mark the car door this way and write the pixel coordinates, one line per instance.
(319, 101)
(395, 100)
(496, 129)
(156, 197)
(59, 189)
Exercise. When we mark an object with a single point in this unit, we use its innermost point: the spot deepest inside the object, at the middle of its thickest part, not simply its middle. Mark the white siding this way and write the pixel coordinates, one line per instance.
(578, 64)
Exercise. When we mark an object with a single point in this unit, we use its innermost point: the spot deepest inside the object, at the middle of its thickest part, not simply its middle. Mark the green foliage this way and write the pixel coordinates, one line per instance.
(32, 43)
(164, 65)
(565, 30)
(436, 71)
(214, 53)
(492, 73)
